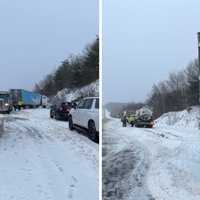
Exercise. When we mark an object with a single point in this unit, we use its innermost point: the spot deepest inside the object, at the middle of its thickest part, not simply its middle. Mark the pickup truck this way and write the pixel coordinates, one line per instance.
(86, 116)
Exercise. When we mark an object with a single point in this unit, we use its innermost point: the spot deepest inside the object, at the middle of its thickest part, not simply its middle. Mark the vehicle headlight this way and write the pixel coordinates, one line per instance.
(6, 104)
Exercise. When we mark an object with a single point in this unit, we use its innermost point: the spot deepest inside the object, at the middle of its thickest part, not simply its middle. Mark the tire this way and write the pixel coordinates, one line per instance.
(71, 125)
(93, 135)
(56, 116)
(51, 114)
(132, 124)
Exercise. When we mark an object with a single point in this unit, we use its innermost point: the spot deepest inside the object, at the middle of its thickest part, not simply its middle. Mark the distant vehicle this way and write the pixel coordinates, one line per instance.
(44, 101)
(24, 99)
(5, 102)
(86, 116)
(131, 118)
(144, 118)
(61, 111)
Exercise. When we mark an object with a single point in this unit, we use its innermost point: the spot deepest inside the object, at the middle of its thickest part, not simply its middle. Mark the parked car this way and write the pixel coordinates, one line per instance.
(86, 116)
(60, 111)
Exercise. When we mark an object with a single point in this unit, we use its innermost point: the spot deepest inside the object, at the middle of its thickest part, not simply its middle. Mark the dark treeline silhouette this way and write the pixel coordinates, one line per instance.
(74, 72)
(178, 92)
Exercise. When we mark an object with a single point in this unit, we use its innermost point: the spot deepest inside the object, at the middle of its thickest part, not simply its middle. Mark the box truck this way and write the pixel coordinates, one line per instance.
(25, 99)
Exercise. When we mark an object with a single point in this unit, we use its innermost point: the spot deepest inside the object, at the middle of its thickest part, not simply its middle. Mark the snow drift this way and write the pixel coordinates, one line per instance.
(73, 94)
(188, 118)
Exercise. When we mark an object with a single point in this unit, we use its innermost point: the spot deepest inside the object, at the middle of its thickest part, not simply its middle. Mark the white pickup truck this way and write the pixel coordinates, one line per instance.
(86, 116)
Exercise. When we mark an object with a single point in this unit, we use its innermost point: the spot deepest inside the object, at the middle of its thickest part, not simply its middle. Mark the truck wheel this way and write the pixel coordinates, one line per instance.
(93, 135)
(51, 115)
(56, 116)
(71, 125)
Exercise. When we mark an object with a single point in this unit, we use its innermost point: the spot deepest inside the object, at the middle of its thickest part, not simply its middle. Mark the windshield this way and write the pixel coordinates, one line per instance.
(4, 96)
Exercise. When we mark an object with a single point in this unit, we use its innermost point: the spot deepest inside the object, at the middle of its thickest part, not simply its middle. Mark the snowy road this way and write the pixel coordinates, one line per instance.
(41, 159)
(150, 164)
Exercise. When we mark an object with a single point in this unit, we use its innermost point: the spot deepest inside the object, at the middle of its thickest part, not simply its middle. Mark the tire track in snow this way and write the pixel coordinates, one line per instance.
(125, 165)
(47, 156)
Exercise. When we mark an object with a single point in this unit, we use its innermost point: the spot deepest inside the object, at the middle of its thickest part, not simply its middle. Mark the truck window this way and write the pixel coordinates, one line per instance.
(88, 103)
(97, 104)
(81, 104)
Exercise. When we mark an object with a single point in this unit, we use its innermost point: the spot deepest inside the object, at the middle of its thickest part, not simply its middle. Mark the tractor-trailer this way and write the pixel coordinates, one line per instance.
(25, 99)
(5, 102)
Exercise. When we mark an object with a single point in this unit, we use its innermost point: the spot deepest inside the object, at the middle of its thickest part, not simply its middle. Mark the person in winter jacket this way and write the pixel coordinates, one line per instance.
(124, 119)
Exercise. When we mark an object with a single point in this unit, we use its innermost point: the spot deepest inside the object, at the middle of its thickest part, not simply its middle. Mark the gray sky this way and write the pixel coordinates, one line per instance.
(35, 36)
(143, 41)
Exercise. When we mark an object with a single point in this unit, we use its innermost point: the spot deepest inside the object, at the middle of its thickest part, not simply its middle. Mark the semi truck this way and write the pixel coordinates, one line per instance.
(5, 102)
(44, 101)
(25, 99)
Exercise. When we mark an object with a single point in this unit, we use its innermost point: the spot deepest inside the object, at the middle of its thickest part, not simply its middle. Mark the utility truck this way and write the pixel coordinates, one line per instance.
(144, 118)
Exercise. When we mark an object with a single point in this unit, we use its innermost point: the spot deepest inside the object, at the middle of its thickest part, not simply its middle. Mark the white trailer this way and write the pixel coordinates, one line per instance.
(44, 101)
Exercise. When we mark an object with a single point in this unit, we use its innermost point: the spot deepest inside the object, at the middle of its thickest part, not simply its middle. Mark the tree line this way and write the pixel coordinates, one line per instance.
(74, 72)
(178, 92)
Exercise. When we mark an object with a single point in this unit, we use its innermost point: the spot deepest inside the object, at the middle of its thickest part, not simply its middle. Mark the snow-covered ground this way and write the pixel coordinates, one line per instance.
(40, 159)
(151, 164)
(189, 119)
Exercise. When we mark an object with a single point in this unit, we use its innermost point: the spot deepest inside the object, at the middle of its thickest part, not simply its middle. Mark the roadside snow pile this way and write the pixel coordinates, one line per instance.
(73, 94)
(183, 119)
(106, 114)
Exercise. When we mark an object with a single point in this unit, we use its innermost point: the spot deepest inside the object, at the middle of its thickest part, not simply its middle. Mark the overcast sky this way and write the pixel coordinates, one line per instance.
(143, 41)
(35, 36)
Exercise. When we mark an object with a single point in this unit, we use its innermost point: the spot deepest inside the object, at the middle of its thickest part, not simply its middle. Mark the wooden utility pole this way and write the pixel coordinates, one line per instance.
(198, 35)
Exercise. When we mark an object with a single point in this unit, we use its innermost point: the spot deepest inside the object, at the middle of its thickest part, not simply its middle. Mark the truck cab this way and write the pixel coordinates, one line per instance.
(5, 102)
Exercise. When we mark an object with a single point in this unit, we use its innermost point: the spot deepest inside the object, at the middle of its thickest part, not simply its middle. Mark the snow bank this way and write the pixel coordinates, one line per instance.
(106, 114)
(183, 119)
(73, 94)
